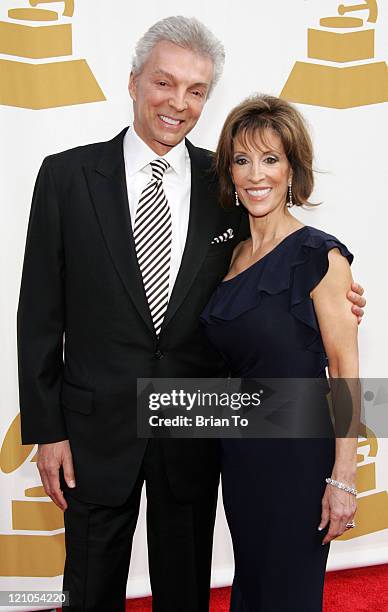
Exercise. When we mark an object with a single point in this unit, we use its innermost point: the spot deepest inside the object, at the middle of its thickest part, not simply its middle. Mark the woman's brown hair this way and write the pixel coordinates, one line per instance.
(251, 118)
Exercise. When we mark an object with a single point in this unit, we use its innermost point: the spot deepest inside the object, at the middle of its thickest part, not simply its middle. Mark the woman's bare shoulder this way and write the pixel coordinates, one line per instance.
(238, 250)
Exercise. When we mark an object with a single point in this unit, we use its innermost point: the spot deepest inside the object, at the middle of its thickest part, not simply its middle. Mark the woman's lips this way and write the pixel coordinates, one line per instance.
(259, 193)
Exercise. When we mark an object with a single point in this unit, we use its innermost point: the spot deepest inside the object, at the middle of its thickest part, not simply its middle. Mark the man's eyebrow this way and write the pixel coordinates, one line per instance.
(164, 73)
(168, 75)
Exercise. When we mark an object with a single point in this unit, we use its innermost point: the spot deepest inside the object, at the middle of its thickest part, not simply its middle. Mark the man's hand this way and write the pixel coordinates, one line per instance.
(50, 458)
(358, 302)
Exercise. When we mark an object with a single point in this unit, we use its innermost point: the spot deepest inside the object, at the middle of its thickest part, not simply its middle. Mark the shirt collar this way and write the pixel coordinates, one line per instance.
(138, 154)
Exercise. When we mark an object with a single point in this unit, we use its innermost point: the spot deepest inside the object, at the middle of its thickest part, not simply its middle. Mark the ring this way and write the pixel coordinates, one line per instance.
(350, 525)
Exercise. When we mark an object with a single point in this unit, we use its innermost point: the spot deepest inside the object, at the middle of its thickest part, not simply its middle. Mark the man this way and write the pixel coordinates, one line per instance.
(120, 261)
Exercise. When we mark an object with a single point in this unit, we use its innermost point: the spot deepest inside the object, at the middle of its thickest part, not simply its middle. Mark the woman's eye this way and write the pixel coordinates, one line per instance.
(162, 83)
(271, 160)
(240, 161)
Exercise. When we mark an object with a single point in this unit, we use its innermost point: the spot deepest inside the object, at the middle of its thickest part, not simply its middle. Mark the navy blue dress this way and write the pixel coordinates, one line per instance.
(263, 323)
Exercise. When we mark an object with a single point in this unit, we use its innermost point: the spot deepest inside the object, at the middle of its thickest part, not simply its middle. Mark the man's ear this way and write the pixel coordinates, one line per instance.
(132, 86)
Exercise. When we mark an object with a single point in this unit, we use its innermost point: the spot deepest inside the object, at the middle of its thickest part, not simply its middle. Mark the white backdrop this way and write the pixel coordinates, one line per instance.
(263, 40)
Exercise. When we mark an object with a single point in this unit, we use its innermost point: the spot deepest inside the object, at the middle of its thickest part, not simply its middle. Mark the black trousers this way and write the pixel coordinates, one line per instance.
(180, 535)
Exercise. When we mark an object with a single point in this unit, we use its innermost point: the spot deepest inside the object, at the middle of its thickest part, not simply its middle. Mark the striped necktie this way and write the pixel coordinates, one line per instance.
(152, 236)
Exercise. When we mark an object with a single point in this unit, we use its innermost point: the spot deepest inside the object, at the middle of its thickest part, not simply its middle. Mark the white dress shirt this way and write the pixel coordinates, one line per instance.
(177, 187)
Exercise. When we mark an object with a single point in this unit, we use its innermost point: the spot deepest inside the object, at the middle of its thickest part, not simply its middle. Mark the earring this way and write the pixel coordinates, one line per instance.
(236, 197)
(290, 200)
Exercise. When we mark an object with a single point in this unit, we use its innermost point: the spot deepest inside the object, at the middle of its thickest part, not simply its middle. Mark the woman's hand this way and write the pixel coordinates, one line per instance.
(338, 508)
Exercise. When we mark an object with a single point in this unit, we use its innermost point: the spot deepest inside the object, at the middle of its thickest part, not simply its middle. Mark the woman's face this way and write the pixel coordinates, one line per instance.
(261, 172)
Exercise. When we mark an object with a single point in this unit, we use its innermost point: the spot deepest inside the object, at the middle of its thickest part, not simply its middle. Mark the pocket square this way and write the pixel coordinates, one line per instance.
(227, 235)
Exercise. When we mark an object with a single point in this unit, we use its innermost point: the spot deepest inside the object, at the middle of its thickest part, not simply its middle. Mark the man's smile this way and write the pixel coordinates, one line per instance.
(170, 121)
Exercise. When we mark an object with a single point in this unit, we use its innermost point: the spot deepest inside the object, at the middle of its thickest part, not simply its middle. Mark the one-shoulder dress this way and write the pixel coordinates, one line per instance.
(264, 324)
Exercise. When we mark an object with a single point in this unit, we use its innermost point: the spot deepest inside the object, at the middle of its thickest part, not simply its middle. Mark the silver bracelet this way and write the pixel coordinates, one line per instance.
(341, 485)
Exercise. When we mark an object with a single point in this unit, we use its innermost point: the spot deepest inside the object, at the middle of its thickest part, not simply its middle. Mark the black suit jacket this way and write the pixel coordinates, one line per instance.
(85, 332)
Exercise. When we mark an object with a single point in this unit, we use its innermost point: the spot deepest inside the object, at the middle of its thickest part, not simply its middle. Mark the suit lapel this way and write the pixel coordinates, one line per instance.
(202, 223)
(108, 189)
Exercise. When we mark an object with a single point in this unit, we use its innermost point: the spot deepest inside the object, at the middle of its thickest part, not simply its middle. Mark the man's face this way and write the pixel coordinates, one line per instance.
(169, 95)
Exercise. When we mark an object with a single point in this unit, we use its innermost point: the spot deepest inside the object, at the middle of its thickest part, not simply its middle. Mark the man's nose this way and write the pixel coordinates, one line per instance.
(178, 101)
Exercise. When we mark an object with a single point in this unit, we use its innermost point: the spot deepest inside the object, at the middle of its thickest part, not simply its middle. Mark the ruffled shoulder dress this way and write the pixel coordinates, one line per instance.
(264, 324)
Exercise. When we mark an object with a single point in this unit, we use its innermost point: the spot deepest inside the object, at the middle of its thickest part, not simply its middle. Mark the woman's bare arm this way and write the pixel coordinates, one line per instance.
(338, 327)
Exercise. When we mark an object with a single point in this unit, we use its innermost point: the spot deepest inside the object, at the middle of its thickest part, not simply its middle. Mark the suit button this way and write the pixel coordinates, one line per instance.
(159, 354)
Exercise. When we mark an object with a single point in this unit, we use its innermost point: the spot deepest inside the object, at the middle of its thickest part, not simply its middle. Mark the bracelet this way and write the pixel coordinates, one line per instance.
(341, 485)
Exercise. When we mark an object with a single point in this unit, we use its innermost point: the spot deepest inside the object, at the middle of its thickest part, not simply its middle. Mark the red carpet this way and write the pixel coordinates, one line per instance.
(357, 590)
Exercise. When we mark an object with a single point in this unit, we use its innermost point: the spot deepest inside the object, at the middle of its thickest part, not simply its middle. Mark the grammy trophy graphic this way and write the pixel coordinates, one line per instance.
(34, 542)
(37, 35)
(349, 75)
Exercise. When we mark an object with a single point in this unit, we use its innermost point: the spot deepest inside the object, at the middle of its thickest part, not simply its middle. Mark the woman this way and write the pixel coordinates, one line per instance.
(281, 311)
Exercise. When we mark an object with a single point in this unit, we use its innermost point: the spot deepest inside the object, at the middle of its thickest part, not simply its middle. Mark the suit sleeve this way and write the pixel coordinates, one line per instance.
(41, 318)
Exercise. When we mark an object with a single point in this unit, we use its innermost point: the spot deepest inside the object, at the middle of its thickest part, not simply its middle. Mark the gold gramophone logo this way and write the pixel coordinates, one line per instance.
(30, 79)
(34, 543)
(349, 75)
(372, 504)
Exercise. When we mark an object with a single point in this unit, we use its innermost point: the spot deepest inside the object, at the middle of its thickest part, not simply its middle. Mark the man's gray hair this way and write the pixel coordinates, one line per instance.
(187, 32)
